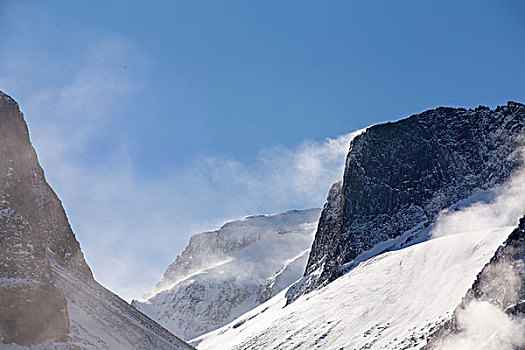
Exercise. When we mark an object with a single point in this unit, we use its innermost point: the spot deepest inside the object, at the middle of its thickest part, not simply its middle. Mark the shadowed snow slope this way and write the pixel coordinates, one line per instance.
(227, 272)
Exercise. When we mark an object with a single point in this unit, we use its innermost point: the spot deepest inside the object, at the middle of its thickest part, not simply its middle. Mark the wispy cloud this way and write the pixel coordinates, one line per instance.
(280, 178)
(132, 226)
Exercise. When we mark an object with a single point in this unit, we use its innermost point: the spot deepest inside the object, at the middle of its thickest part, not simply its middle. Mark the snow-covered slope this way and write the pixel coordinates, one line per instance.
(48, 297)
(393, 300)
(99, 319)
(225, 273)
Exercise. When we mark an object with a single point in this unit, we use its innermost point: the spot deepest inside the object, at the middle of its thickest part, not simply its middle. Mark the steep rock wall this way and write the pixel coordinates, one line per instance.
(400, 175)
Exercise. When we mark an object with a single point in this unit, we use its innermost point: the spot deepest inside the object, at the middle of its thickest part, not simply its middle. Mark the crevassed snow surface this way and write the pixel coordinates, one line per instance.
(391, 301)
(225, 273)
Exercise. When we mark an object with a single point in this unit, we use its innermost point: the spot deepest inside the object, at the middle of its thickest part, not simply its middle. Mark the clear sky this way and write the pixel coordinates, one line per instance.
(155, 120)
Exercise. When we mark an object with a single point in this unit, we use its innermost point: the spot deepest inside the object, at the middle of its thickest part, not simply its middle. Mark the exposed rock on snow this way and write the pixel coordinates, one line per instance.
(400, 175)
(224, 273)
(48, 297)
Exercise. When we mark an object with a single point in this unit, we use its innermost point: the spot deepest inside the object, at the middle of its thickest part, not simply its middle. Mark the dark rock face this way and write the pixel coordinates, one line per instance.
(400, 175)
(331, 221)
(501, 283)
(42, 269)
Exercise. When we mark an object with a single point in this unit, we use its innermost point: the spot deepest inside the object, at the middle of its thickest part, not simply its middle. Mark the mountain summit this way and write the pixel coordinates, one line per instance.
(48, 297)
(399, 176)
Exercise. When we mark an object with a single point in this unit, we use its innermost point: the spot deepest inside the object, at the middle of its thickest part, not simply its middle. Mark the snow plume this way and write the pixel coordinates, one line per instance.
(502, 206)
(503, 281)
(281, 176)
(312, 163)
(485, 327)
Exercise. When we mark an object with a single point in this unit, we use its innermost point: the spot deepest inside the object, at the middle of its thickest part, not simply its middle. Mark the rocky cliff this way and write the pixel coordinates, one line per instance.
(400, 175)
(48, 297)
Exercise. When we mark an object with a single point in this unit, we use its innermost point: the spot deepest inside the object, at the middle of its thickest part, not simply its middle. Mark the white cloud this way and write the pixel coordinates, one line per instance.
(281, 177)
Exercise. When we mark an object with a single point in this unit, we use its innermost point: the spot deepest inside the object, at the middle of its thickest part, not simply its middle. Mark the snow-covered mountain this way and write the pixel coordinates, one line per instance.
(225, 273)
(399, 176)
(48, 297)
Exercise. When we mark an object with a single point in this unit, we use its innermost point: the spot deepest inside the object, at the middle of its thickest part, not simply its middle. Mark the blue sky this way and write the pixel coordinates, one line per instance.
(157, 121)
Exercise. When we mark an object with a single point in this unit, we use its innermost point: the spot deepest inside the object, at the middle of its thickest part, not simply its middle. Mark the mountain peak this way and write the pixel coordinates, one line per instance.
(400, 175)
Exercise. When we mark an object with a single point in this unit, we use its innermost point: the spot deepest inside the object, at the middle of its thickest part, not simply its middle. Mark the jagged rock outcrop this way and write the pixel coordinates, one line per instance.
(48, 297)
(501, 283)
(400, 175)
(502, 280)
(224, 273)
